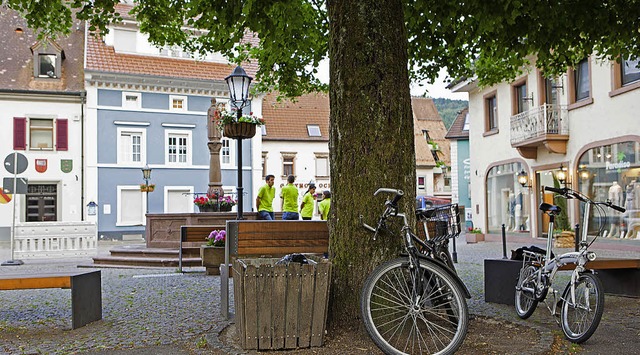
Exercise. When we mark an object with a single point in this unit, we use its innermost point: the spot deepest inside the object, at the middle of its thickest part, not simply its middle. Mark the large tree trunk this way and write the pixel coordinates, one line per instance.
(371, 140)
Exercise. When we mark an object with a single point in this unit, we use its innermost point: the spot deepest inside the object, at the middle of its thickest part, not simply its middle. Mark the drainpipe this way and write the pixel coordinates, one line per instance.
(83, 100)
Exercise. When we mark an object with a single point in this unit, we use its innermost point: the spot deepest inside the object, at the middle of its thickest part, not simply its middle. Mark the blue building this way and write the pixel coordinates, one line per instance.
(147, 106)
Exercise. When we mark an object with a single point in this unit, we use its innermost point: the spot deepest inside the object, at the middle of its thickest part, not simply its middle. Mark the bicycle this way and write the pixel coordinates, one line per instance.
(582, 301)
(414, 304)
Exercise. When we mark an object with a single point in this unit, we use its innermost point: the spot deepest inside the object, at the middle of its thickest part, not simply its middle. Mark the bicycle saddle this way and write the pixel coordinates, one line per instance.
(552, 209)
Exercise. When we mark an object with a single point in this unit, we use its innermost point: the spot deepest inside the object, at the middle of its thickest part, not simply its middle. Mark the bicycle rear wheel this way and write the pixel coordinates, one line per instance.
(409, 311)
(526, 302)
(581, 319)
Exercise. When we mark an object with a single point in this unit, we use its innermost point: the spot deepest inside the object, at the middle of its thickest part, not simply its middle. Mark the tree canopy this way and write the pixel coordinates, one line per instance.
(492, 41)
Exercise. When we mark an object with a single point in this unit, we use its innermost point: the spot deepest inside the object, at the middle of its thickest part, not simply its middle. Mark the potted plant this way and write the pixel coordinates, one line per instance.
(212, 253)
(214, 203)
(439, 166)
(147, 188)
(474, 235)
(237, 128)
(433, 145)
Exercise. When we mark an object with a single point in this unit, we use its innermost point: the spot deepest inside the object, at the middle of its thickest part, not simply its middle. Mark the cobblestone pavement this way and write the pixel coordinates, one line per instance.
(159, 311)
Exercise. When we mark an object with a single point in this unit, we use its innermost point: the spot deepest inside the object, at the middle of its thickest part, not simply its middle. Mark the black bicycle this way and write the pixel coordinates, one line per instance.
(415, 304)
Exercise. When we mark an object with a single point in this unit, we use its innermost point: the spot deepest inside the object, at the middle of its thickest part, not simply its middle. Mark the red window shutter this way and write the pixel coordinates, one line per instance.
(19, 133)
(62, 134)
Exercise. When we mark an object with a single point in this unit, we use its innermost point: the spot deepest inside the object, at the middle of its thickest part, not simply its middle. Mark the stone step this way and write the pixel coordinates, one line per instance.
(146, 261)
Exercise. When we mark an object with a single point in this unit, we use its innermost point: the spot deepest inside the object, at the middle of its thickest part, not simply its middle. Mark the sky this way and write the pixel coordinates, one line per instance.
(436, 90)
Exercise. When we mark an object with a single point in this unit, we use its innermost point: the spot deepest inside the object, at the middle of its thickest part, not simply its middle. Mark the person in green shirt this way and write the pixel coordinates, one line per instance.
(264, 201)
(289, 196)
(325, 205)
(306, 207)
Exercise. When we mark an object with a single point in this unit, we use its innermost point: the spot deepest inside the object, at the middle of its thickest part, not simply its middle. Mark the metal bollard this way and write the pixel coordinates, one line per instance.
(504, 242)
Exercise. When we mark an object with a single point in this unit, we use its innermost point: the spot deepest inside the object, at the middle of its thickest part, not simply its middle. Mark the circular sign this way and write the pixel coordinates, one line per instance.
(4, 198)
(16, 163)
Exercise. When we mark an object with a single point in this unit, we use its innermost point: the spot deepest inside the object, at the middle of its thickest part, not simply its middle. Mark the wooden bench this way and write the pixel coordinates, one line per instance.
(270, 239)
(86, 291)
(194, 235)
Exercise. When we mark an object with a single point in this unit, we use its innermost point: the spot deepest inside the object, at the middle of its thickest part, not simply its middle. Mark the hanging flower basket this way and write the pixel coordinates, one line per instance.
(239, 130)
(147, 188)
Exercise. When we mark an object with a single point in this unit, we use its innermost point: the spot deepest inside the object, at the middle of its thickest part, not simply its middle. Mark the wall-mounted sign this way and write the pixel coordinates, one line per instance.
(620, 165)
(41, 165)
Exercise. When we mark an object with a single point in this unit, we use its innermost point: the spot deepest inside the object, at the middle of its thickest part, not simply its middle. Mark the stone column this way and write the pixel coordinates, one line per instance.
(214, 144)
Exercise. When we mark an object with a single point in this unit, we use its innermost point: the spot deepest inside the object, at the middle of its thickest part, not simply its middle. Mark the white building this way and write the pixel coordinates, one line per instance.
(583, 123)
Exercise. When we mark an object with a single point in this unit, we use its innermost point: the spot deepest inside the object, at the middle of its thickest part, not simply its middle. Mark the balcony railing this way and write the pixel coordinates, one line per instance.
(539, 122)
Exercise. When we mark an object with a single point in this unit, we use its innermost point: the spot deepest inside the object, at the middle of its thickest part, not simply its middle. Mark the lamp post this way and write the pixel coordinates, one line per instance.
(239, 82)
(146, 175)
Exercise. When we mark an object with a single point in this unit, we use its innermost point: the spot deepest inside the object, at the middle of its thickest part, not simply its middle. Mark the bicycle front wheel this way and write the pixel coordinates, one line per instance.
(409, 311)
(580, 319)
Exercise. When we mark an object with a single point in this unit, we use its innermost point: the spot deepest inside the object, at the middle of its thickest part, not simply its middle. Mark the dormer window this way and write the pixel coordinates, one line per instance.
(47, 60)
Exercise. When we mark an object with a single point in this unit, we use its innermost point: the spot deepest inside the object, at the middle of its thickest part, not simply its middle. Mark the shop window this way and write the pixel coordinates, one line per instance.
(612, 172)
(508, 202)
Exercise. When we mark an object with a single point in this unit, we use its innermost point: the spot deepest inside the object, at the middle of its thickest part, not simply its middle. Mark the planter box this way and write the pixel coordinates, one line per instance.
(293, 316)
(474, 237)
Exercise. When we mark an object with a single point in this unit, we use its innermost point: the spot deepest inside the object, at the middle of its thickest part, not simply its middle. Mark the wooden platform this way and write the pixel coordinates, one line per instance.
(149, 257)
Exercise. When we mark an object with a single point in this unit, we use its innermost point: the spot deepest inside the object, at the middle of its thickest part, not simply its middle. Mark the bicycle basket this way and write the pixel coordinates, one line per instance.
(438, 223)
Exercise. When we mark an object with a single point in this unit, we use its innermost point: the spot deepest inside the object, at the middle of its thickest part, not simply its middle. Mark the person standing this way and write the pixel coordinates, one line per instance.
(306, 207)
(289, 196)
(264, 201)
(325, 205)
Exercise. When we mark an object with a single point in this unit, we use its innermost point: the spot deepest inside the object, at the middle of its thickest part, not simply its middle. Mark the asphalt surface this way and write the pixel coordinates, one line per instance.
(159, 311)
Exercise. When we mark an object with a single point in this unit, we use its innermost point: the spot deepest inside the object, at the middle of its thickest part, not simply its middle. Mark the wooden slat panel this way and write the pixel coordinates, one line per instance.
(293, 294)
(320, 306)
(239, 300)
(35, 282)
(199, 233)
(264, 306)
(284, 235)
(306, 305)
(607, 263)
(251, 311)
(279, 305)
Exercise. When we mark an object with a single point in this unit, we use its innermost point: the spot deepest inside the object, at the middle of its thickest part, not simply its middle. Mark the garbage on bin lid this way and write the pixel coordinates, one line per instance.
(293, 258)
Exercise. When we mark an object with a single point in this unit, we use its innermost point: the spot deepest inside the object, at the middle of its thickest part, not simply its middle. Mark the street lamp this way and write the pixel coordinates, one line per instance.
(239, 82)
(146, 175)
(523, 179)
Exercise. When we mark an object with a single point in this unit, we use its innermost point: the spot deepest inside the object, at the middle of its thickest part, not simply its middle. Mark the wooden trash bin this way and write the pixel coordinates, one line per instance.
(281, 306)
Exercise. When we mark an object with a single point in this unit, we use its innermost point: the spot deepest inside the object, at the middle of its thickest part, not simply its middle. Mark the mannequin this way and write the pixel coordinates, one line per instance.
(615, 195)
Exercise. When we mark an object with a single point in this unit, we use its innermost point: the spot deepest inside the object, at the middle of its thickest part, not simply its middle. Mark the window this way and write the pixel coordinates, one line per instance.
(288, 167)
(47, 66)
(225, 152)
(178, 103)
(630, 71)
(491, 112)
(124, 40)
(521, 99)
(551, 94)
(579, 83)
(178, 199)
(131, 206)
(313, 130)
(178, 147)
(42, 203)
(131, 146)
(41, 134)
(131, 100)
(322, 165)
(421, 182)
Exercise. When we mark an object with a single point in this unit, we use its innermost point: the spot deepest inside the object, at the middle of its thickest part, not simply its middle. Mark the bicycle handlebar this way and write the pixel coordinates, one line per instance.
(569, 193)
(397, 194)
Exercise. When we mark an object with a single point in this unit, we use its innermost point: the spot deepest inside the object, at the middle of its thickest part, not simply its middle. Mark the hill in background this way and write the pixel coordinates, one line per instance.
(448, 109)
